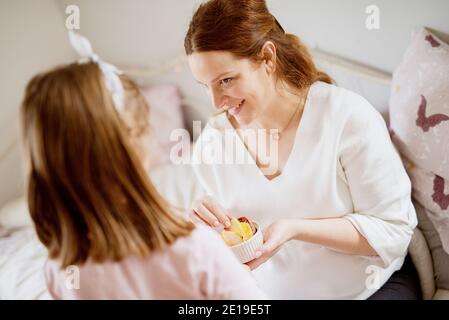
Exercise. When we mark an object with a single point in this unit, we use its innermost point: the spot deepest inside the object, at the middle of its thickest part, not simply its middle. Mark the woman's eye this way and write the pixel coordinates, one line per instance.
(225, 82)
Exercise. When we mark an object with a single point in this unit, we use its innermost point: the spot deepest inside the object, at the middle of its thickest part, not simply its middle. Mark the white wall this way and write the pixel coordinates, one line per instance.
(149, 33)
(338, 26)
(32, 39)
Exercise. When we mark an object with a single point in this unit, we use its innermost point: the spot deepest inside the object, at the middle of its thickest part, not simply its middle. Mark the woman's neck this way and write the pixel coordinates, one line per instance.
(279, 113)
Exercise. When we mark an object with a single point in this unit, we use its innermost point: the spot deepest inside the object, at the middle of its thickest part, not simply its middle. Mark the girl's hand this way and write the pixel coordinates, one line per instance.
(210, 212)
(274, 237)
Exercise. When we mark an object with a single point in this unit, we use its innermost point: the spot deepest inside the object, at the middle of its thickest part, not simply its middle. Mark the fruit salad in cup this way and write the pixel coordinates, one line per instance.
(243, 237)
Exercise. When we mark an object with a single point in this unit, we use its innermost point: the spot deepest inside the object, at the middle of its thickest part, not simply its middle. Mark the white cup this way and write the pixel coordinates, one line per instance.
(246, 251)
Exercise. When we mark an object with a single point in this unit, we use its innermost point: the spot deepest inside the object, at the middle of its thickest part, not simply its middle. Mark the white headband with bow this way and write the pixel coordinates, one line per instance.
(110, 73)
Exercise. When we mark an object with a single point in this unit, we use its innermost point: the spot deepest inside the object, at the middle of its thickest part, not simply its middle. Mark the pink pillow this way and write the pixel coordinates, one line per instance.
(419, 119)
(165, 115)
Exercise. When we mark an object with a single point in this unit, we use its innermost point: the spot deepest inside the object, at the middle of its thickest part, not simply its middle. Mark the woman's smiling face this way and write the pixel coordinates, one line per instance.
(242, 86)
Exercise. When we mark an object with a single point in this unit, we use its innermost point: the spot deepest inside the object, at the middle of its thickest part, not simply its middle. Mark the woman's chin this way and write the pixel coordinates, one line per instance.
(243, 118)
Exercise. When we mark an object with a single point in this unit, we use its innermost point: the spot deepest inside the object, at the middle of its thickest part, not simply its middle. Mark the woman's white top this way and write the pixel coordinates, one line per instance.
(342, 164)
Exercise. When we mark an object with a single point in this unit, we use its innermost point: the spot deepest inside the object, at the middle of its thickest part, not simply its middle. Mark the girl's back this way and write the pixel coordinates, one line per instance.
(194, 267)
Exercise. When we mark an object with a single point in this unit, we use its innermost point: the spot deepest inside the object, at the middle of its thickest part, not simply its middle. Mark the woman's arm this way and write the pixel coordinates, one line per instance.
(335, 233)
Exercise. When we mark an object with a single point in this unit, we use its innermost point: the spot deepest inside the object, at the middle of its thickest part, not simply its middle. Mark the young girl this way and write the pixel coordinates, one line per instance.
(108, 233)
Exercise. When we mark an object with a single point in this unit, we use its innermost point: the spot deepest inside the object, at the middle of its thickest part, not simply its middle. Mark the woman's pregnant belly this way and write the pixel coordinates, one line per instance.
(306, 271)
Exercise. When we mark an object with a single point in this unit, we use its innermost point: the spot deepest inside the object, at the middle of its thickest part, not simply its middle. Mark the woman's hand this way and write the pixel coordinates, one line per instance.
(210, 212)
(274, 237)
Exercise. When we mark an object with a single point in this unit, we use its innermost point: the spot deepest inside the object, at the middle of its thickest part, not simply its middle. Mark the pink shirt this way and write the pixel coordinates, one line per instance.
(199, 266)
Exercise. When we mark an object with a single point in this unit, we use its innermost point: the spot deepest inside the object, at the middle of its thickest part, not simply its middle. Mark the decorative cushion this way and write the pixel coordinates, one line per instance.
(419, 123)
(419, 119)
(165, 116)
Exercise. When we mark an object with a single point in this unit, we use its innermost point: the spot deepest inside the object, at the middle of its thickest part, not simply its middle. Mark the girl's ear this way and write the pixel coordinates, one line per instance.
(268, 53)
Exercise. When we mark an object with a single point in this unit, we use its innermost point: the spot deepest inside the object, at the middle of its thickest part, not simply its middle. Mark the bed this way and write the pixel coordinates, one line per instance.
(22, 256)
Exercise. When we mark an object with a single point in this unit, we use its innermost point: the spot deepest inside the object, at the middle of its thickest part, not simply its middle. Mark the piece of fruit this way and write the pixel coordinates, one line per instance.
(247, 232)
(231, 238)
(241, 229)
(251, 224)
(236, 227)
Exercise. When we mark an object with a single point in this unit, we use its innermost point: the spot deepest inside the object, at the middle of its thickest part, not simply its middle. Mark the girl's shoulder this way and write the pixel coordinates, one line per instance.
(202, 239)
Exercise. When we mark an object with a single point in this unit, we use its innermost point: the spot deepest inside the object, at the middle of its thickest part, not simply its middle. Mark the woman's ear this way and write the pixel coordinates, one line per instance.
(268, 54)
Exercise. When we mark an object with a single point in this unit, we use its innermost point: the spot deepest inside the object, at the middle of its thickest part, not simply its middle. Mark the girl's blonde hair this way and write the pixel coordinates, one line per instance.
(88, 193)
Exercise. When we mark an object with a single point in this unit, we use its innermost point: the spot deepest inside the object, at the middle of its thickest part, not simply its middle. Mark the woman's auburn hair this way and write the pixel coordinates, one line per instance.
(88, 194)
(242, 27)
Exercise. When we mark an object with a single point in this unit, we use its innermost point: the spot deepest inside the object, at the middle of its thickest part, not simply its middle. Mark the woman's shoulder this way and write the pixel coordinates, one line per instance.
(340, 97)
(341, 104)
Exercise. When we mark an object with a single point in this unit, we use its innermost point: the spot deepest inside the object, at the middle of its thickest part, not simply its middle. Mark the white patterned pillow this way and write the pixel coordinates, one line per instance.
(419, 119)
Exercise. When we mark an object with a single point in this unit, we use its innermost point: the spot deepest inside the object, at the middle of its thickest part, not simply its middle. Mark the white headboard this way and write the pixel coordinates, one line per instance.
(201, 109)
(324, 60)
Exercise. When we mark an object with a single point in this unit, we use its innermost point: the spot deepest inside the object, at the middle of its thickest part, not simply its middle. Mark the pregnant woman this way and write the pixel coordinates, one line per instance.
(334, 202)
